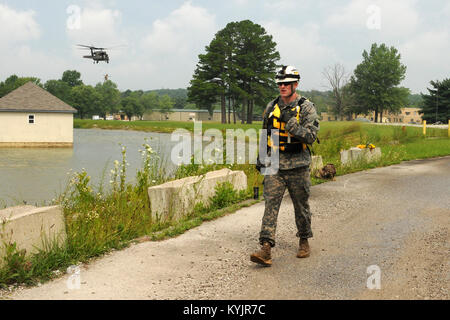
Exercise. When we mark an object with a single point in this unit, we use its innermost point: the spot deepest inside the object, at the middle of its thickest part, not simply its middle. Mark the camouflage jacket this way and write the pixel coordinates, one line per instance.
(305, 131)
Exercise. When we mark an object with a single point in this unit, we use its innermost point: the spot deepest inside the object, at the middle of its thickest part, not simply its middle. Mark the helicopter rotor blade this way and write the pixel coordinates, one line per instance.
(89, 47)
(115, 47)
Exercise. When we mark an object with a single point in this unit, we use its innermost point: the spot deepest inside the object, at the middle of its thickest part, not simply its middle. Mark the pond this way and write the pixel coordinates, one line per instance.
(38, 175)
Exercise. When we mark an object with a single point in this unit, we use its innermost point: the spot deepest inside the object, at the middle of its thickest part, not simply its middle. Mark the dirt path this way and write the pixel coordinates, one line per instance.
(395, 218)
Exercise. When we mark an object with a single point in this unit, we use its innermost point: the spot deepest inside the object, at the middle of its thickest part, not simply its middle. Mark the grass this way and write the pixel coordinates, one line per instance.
(100, 219)
(157, 126)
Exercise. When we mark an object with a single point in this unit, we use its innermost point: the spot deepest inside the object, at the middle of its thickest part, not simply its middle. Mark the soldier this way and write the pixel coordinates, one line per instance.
(296, 123)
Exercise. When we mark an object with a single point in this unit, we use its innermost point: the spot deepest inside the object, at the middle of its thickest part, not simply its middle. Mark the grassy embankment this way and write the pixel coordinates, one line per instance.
(100, 219)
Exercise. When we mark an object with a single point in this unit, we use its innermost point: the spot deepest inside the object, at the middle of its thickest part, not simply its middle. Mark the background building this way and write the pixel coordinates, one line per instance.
(183, 115)
(406, 115)
(32, 117)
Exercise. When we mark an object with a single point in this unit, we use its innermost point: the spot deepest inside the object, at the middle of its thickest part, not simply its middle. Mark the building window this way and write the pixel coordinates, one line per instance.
(31, 118)
(407, 113)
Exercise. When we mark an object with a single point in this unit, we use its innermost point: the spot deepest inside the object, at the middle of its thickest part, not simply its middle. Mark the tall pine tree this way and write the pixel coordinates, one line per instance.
(436, 104)
(239, 64)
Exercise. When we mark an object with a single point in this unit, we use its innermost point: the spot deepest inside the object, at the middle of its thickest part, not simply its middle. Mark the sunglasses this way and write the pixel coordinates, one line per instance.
(285, 84)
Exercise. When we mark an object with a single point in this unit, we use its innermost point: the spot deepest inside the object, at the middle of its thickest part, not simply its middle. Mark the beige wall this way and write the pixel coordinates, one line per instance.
(47, 128)
(182, 116)
(406, 115)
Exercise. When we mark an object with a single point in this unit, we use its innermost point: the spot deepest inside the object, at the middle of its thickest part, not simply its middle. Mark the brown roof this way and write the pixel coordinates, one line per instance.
(32, 98)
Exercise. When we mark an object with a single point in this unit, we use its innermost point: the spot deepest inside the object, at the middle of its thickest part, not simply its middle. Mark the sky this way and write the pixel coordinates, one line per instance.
(159, 41)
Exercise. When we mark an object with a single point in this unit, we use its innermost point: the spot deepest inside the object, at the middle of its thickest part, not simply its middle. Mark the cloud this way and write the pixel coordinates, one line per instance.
(28, 62)
(302, 48)
(394, 18)
(424, 55)
(17, 29)
(172, 45)
(94, 25)
(17, 26)
(286, 6)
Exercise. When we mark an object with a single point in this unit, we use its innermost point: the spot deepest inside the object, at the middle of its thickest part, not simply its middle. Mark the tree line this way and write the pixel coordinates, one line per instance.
(240, 64)
(102, 99)
(236, 74)
(374, 87)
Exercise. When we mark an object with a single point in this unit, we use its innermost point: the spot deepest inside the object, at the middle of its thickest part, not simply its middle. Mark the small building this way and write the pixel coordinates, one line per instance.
(184, 115)
(406, 115)
(32, 117)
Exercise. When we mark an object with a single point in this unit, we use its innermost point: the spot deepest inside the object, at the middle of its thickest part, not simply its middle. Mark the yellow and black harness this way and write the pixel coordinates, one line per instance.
(287, 142)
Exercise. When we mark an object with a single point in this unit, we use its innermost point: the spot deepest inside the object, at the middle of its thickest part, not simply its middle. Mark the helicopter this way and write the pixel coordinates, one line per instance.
(97, 54)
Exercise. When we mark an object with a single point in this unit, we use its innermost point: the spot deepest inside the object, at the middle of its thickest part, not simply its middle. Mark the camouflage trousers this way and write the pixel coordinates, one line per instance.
(298, 183)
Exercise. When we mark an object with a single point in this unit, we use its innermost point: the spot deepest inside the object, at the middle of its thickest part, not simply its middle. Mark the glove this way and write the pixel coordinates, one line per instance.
(287, 115)
(290, 123)
(258, 165)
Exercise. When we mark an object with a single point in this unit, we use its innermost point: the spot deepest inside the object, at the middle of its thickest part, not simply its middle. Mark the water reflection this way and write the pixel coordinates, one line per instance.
(37, 175)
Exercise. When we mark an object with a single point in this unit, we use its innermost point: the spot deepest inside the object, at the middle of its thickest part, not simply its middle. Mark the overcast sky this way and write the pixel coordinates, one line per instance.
(164, 38)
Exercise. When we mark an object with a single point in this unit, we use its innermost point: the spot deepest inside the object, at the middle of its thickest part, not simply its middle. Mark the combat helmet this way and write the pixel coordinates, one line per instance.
(287, 74)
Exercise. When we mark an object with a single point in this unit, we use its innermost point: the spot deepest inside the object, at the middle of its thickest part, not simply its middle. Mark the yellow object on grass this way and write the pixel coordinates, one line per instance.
(364, 146)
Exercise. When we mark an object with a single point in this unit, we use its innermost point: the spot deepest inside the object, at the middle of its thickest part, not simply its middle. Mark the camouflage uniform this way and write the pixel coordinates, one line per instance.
(293, 174)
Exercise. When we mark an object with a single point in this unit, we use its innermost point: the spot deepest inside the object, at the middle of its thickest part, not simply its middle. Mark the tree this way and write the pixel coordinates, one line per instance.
(239, 64)
(13, 82)
(166, 104)
(375, 80)
(132, 106)
(415, 101)
(59, 89)
(110, 97)
(126, 93)
(72, 78)
(321, 99)
(436, 104)
(337, 78)
(150, 101)
(256, 58)
(202, 93)
(85, 99)
(179, 96)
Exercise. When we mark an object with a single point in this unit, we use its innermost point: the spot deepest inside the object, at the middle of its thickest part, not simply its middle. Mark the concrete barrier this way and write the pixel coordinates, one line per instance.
(316, 163)
(29, 227)
(356, 154)
(175, 199)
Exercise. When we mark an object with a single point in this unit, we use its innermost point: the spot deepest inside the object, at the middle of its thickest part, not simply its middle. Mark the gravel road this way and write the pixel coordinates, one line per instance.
(395, 218)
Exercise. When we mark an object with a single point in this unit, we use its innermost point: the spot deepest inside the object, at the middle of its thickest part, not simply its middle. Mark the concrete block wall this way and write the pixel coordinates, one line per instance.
(356, 154)
(178, 198)
(29, 226)
(316, 163)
